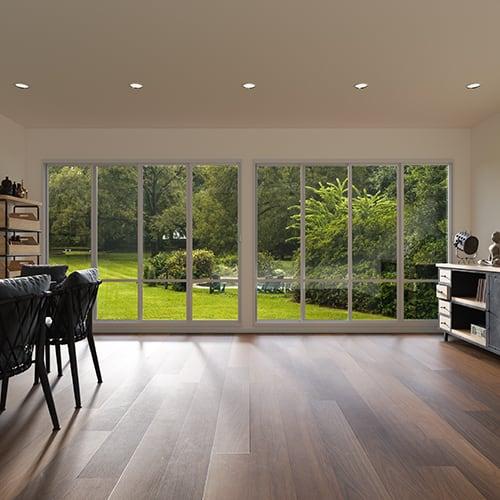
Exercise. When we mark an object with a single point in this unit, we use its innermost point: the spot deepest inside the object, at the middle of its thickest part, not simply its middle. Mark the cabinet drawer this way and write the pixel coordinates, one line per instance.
(445, 276)
(443, 292)
(445, 323)
(444, 308)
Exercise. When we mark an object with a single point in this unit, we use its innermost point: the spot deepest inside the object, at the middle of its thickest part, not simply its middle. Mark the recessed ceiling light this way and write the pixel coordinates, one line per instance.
(249, 85)
(136, 85)
(21, 85)
(360, 86)
(473, 85)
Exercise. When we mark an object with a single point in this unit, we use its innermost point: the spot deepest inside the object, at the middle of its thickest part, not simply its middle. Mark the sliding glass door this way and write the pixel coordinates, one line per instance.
(335, 242)
(350, 242)
(165, 237)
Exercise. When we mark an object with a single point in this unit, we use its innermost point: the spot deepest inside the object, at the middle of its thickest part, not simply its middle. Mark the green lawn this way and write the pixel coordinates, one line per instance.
(119, 300)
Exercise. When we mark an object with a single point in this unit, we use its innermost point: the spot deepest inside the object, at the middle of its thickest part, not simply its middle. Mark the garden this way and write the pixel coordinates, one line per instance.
(215, 237)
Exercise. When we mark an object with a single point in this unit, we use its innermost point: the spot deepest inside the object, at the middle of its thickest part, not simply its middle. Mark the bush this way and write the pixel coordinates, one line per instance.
(265, 264)
(156, 267)
(172, 266)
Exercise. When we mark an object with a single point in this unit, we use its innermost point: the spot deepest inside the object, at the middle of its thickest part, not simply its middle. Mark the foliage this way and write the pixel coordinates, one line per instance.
(69, 218)
(326, 215)
(366, 298)
(215, 208)
(164, 207)
(426, 220)
(265, 264)
(117, 208)
(278, 189)
(172, 266)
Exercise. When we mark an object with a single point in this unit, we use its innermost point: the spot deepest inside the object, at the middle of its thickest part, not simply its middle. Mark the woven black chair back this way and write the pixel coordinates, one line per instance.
(21, 327)
(71, 311)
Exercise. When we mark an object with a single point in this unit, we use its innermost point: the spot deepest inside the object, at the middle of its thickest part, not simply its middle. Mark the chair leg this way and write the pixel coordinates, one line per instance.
(93, 352)
(48, 395)
(47, 357)
(36, 377)
(3, 398)
(74, 372)
(58, 359)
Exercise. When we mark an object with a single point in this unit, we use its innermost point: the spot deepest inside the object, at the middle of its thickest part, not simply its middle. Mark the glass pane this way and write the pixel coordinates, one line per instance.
(374, 221)
(117, 301)
(326, 210)
(375, 301)
(164, 221)
(326, 301)
(69, 216)
(278, 300)
(425, 219)
(164, 301)
(215, 221)
(215, 300)
(117, 221)
(420, 301)
(278, 221)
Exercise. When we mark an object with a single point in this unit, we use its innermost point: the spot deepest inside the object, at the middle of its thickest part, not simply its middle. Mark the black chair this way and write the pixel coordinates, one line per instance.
(70, 309)
(22, 329)
(57, 273)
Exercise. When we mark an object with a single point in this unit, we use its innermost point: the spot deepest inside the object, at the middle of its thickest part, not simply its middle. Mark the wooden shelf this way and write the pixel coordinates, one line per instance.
(466, 335)
(469, 302)
(20, 201)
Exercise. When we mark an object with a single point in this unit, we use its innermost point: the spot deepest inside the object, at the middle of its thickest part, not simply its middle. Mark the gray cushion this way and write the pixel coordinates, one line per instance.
(20, 287)
(57, 273)
(81, 277)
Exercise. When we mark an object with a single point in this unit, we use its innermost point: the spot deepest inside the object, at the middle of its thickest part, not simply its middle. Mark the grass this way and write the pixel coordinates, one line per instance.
(118, 301)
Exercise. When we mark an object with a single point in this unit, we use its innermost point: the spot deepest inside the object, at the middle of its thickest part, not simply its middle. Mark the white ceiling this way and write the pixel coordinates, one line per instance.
(304, 55)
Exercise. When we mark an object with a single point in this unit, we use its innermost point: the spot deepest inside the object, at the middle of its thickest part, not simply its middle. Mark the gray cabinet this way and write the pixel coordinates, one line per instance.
(493, 319)
(469, 304)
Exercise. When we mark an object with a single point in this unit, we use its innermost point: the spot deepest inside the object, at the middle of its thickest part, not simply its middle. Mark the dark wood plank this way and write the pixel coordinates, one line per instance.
(261, 417)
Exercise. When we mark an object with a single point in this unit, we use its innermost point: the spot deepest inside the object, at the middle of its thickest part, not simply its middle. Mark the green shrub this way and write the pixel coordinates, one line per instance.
(265, 264)
(172, 266)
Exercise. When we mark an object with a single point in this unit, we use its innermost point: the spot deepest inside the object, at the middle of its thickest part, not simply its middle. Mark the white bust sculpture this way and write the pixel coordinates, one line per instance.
(494, 248)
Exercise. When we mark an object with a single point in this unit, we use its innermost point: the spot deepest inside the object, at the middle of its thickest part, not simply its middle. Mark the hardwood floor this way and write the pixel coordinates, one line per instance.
(261, 417)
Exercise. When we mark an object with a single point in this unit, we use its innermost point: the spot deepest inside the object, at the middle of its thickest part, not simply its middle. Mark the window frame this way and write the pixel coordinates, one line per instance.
(400, 280)
(140, 281)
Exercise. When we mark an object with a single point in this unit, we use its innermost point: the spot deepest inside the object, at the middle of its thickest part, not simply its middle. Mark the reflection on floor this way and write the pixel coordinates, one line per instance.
(261, 417)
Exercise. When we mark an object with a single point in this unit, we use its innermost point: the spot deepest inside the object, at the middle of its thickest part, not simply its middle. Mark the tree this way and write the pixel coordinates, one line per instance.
(215, 208)
(278, 189)
(117, 208)
(69, 208)
(164, 207)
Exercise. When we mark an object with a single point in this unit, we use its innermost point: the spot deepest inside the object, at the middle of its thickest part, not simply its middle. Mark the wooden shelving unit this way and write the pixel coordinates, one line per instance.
(469, 302)
(460, 311)
(19, 217)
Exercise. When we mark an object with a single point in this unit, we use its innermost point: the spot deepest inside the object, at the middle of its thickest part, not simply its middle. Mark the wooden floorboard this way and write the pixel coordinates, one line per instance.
(261, 417)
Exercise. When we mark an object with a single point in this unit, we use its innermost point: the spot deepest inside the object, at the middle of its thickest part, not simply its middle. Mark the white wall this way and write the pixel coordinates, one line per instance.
(485, 163)
(249, 145)
(12, 149)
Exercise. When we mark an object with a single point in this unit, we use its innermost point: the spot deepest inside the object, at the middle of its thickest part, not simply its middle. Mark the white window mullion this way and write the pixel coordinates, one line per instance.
(400, 265)
(93, 224)
(189, 243)
(349, 243)
(302, 282)
(140, 240)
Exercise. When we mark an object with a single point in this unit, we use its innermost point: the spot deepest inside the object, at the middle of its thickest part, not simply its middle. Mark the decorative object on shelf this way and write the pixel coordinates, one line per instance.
(16, 189)
(23, 193)
(494, 248)
(6, 186)
(466, 247)
(478, 331)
